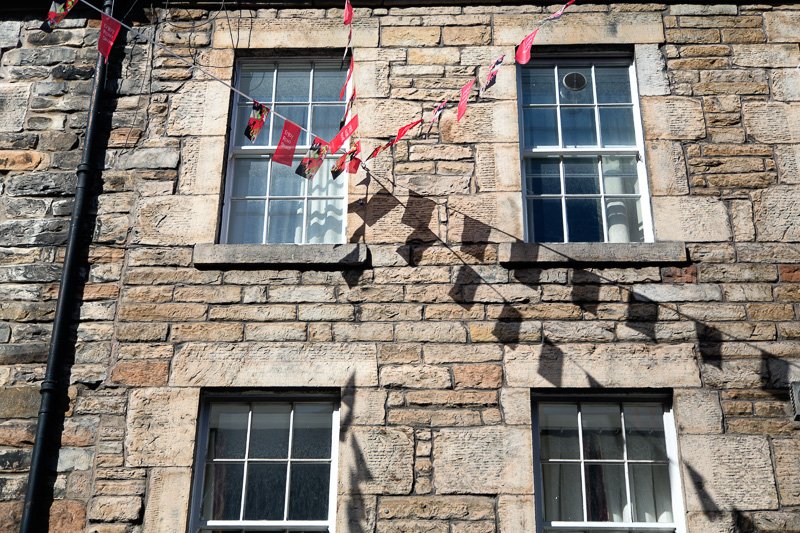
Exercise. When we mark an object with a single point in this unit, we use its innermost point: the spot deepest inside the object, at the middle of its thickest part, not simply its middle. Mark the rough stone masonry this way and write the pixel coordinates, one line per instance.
(437, 334)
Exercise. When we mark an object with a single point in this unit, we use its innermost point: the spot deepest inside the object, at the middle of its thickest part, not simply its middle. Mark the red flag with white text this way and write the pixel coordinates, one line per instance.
(523, 54)
(109, 29)
(462, 104)
(284, 154)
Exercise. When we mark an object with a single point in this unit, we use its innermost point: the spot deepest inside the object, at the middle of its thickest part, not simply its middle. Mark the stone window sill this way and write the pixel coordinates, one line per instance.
(592, 252)
(253, 255)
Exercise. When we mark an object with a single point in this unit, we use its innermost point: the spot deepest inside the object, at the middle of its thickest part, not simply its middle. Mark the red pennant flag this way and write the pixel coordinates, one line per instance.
(258, 115)
(343, 135)
(338, 168)
(492, 77)
(348, 12)
(524, 48)
(287, 144)
(349, 73)
(402, 131)
(355, 164)
(560, 12)
(58, 12)
(462, 104)
(313, 159)
(436, 113)
(109, 28)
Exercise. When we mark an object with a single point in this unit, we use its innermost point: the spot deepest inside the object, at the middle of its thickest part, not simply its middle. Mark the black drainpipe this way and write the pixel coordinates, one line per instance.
(35, 514)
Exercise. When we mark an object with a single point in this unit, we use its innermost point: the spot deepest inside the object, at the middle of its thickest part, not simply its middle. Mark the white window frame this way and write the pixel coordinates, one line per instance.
(248, 151)
(638, 151)
(195, 522)
(671, 440)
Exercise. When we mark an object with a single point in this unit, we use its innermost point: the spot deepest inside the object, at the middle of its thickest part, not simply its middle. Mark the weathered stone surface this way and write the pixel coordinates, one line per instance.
(168, 492)
(673, 117)
(415, 377)
(651, 70)
(149, 158)
(583, 28)
(515, 513)
(787, 455)
(698, 411)
(199, 109)
(590, 252)
(694, 219)
(19, 402)
(288, 364)
(115, 508)
(201, 165)
(712, 468)
(788, 159)
(279, 254)
(782, 26)
(772, 122)
(776, 214)
(376, 460)
(176, 220)
(666, 169)
(264, 33)
(355, 512)
(436, 507)
(13, 105)
(160, 425)
(70, 459)
(581, 365)
(376, 119)
(482, 461)
(496, 120)
(9, 33)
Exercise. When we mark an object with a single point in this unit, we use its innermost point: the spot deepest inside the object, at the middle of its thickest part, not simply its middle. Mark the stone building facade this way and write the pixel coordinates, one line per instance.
(435, 325)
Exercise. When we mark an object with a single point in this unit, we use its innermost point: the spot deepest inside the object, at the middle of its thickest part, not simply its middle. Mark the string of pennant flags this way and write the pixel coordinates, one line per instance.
(319, 149)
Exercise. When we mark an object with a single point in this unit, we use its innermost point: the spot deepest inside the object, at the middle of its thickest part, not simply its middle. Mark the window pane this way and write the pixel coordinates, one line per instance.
(613, 85)
(293, 82)
(323, 183)
(250, 177)
(616, 126)
(624, 220)
(285, 222)
(644, 428)
(561, 485)
(538, 86)
(542, 175)
(269, 435)
(620, 175)
(325, 220)
(544, 220)
(285, 182)
(575, 85)
(325, 121)
(222, 491)
(256, 81)
(559, 431)
(266, 491)
(541, 127)
(246, 222)
(584, 220)
(605, 493)
(581, 175)
(312, 431)
(329, 79)
(650, 492)
(309, 490)
(602, 431)
(295, 113)
(227, 431)
(242, 117)
(578, 127)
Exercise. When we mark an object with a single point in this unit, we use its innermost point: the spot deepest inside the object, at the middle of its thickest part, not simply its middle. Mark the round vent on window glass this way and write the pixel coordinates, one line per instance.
(574, 81)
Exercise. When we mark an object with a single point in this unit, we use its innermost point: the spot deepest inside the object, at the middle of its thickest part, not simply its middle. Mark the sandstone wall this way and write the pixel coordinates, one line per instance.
(437, 339)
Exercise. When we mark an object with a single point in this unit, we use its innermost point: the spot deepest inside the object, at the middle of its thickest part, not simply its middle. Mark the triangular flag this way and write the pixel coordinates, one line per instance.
(492, 77)
(343, 135)
(560, 12)
(313, 159)
(349, 73)
(462, 104)
(58, 12)
(347, 108)
(436, 114)
(284, 154)
(348, 12)
(338, 168)
(523, 54)
(258, 114)
(109, 28)
(402, 131)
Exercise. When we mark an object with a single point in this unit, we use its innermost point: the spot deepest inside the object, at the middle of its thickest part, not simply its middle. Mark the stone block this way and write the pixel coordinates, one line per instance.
(583, 28)
(355, 513)
(286, 364)
(297, 33)
(666, 169)
(495, 120)
(583, 365)
(782, 26)
(415, 377)
(477, 376)
(201, 165)
(376, 119)
(483, 460)
(115, 508)
(363, 406)
(19, 402)
(168, 492)
(149, 158)
(406, 36)
(785, 84)
(147, 373)
(200, 108)
(13, 104)
(176, 220)
(67, 516)
(497, 167)
(9, 33)
(160, 427)
(515, 513)
(21, 160)
(651, 70)
(772, 122)
(436, 507)
(461, 353)
(376, 460)
(698, 412)
(490, 217)
(371, 78)
(693, 219)
(776, 214)
(712, 470)
(673, 117)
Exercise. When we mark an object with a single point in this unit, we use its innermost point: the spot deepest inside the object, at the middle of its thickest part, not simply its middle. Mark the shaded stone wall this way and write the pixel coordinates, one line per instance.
(435, 341)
